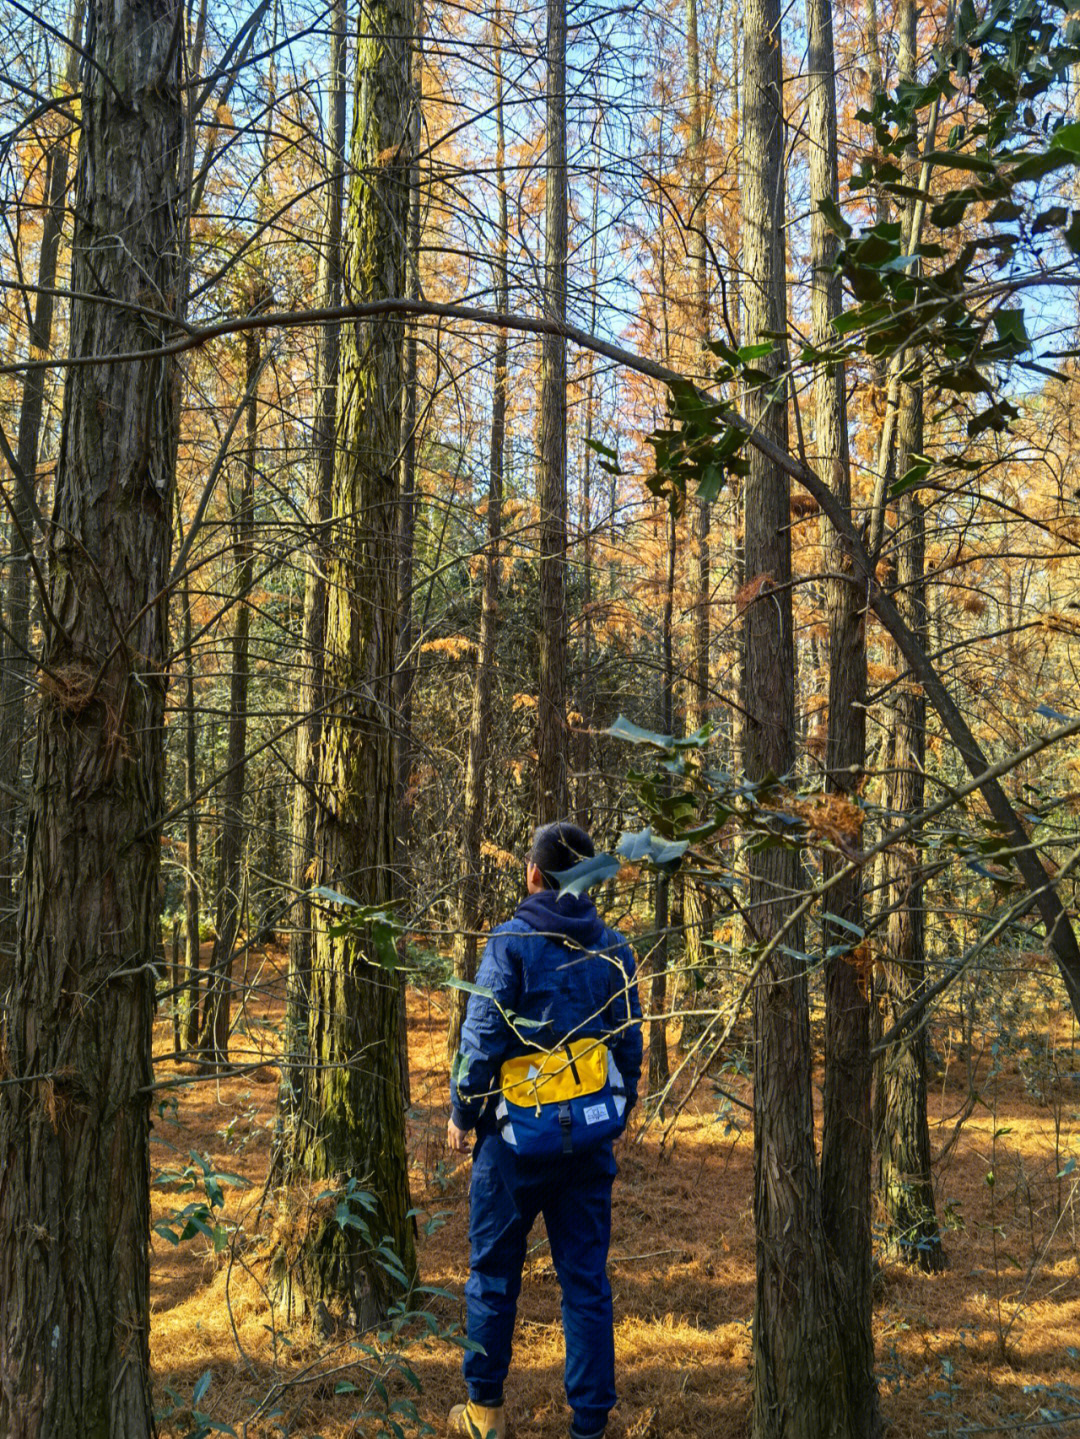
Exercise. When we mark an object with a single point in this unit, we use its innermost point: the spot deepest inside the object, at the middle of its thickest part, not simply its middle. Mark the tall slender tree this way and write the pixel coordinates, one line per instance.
(905, 1182)
(75, 1127)
(405, 674)
(696, 908)
(551, 765)
(214, 1032)
(800, 1385)
(189, 1003)
(406, 670)
(585, 784)
(659, 1062)
(190, 1018)
(476, 759)
(16, 676)
(310, 688)
(699, 567)
(846, 1133)
(351, 1118)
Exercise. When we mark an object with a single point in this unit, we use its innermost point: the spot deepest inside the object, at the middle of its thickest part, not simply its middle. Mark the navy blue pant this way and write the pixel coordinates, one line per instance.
(574, 1196)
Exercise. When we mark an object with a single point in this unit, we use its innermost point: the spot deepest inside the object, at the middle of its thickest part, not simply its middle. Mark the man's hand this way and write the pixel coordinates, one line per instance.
(457, 1139)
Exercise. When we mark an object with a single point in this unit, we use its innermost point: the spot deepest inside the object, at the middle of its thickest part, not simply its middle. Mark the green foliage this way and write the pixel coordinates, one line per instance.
(363, 922)
(1005, 69)
(200, 1216)
(196, 1423)
(373, 1365)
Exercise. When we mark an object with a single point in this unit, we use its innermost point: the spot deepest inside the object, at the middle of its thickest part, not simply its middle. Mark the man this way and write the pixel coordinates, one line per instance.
(556, 975)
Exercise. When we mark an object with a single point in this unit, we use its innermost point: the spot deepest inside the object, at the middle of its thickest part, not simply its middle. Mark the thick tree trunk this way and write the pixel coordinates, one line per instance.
(470, 907)
(551, 764)
(74, 1134)
(310, 689)
(214, 1032)
(800, 1383)
(351, 1120)
(846, 1138)
(16, 675)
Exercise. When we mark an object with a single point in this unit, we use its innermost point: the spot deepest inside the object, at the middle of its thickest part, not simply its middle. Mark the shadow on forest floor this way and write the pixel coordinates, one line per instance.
(992, 1343)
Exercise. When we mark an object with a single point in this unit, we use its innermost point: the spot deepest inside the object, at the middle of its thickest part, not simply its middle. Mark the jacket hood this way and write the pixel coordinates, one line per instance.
(569, 916)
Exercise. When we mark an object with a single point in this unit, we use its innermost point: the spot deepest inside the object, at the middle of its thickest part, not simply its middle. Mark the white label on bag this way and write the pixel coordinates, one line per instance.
(596, 1113)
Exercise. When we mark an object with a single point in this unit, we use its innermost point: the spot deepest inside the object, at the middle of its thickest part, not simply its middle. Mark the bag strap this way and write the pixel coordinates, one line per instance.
(564, 1125)
(615, 989)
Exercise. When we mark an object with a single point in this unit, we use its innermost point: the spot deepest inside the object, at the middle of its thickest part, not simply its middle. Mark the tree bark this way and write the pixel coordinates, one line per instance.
(192, 890)
(846, 1136)
(659, 1064)
(310, 689)
(551, 765)
(905, 1182)
(214, 1032)
(406, 671)
(800, 1383)
(190, 1021)
(904, 1178)
(351, 1119)
(697, 911)
(74, 1133)
(585, 783)
(405, 674)
(470, 906)
(698, 706)
(17, 672)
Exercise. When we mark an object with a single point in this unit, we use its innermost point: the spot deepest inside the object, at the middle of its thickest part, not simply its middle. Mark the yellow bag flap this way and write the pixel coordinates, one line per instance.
(550, 1078)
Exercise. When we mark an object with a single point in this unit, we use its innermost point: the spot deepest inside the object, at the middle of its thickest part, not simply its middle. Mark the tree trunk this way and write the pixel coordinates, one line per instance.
(697, 911)
(585, 783)
(659, 1066)
(192, 889)
(698, 707)
(74, 1135)
(405, 675)
(800, 1384)
(904, 1179)
(351, 1120)
(176, 985)
(267, 889)
(310, 690)
(406, 671)
(214, 1034)
(846, 1138)
(17, 671)
(190, 1022)
(551, 764)
(470, 908)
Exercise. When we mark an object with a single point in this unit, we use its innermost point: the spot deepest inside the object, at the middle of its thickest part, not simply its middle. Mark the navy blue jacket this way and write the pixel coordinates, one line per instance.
(555, 972)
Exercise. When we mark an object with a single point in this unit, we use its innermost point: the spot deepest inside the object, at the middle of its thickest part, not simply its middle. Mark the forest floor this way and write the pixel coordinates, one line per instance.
(989, 1347)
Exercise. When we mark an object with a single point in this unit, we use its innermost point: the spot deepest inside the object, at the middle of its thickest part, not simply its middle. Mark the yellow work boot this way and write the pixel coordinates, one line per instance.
(476, 1422)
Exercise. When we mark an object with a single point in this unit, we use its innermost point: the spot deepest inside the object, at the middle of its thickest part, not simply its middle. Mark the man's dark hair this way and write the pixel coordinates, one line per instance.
(559, 846)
